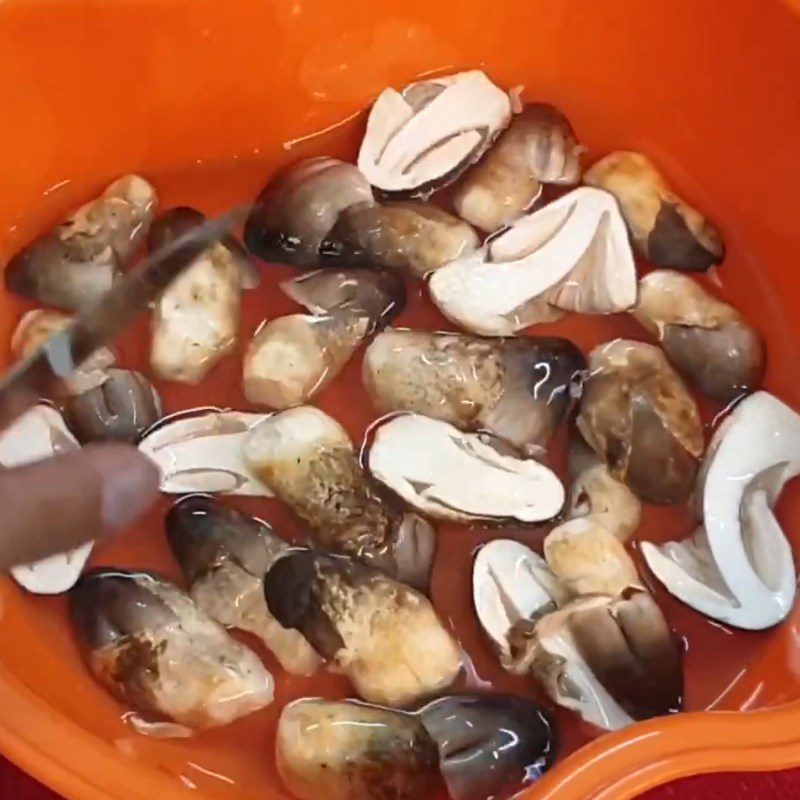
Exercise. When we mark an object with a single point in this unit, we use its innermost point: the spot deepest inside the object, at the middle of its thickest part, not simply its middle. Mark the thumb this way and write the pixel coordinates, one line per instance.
(58, 504)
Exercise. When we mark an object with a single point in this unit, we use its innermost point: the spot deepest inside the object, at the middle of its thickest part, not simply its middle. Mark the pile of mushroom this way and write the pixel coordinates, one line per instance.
(466, 431)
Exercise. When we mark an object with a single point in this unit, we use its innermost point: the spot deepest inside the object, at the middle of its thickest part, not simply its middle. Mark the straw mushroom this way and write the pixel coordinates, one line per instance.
(707, 340)
(639, 417)
(297, 209)
(738, 568)
(447, 474)
(38, 434)
(153, 648)
(74, 264)
(571, 255)
(308, 460)
(517, 389)
(224, 556)
(383, 635)
(424, 137)
(665, 229)
(539, 146)
(201, 451)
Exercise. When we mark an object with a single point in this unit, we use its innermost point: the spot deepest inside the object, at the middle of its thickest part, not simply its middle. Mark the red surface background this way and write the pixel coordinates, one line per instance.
(761, 786)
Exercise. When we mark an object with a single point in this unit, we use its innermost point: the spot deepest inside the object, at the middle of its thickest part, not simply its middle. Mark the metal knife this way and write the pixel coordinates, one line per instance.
(40, 375)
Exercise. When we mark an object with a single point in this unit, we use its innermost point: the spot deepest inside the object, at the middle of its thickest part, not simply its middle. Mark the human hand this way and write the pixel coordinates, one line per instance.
(55, 505)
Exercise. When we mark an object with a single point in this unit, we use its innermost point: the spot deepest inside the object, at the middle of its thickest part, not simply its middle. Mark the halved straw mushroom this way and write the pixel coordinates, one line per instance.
(571, 255)
(638, 416)
(202, 451)
(383, 635)
(38, 434)
(410, 235)
(490, 745)
(707, 340)
(74, 264)
(352, 751)
(665, 229)
(539, 146)
(739, 568)
(447, 474)
(599, 496)
(518, 389)
(224, 556)
(37, 326)
(297, 209)
(308, 460)
(423, 138)
(196, 320)
(154, 649)
(120, 409)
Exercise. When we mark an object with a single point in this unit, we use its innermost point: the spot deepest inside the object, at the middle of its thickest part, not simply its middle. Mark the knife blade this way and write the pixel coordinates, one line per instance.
(39, 376)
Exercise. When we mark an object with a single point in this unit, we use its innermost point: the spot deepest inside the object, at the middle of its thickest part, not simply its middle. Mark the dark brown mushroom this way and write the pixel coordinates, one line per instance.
(384, 635)
(666, 230)
(73, 265)
(120, 409)
(638, 416)
(706, 339)
(518, 389)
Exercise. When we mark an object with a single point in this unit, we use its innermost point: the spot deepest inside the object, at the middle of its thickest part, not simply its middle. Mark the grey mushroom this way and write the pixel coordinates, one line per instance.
(383, 635)
(707, 340)
(297, 209)
(539, 146)
(518, 389)
(490, 745)
(307, 459)
(352, 751)
(121, 409)
(665, 229)
(638, 416)
(224, 556)
(150, 646)
(73, 265)
(411, 235)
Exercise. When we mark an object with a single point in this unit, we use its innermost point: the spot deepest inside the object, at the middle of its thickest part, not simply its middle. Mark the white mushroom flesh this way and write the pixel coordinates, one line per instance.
(448, 474)
(572, 254)
(38, 434)
(423, 139)
(203, 453)
(739, 569)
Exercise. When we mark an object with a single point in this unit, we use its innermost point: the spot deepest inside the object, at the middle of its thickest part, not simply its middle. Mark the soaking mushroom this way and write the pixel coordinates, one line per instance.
(224, 556)
(38, 434)
(571, 255)
(490, 745)
(37, 326)
(201, 450)
(539, 146)
(196, 320)
(120, 409)
(447, 474)
(423, 138)
(666, 230)
(383, 635)
(297, 209)
(154, 649)
(738, 568)
(73, 265)
(599, 496)
(308, 460)
(410, 235)
(638, 416)
(352, 751)
(707, 340)
(518, 389)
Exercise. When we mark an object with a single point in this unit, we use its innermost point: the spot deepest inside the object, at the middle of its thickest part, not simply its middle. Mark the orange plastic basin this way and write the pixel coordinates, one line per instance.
(206, 98)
